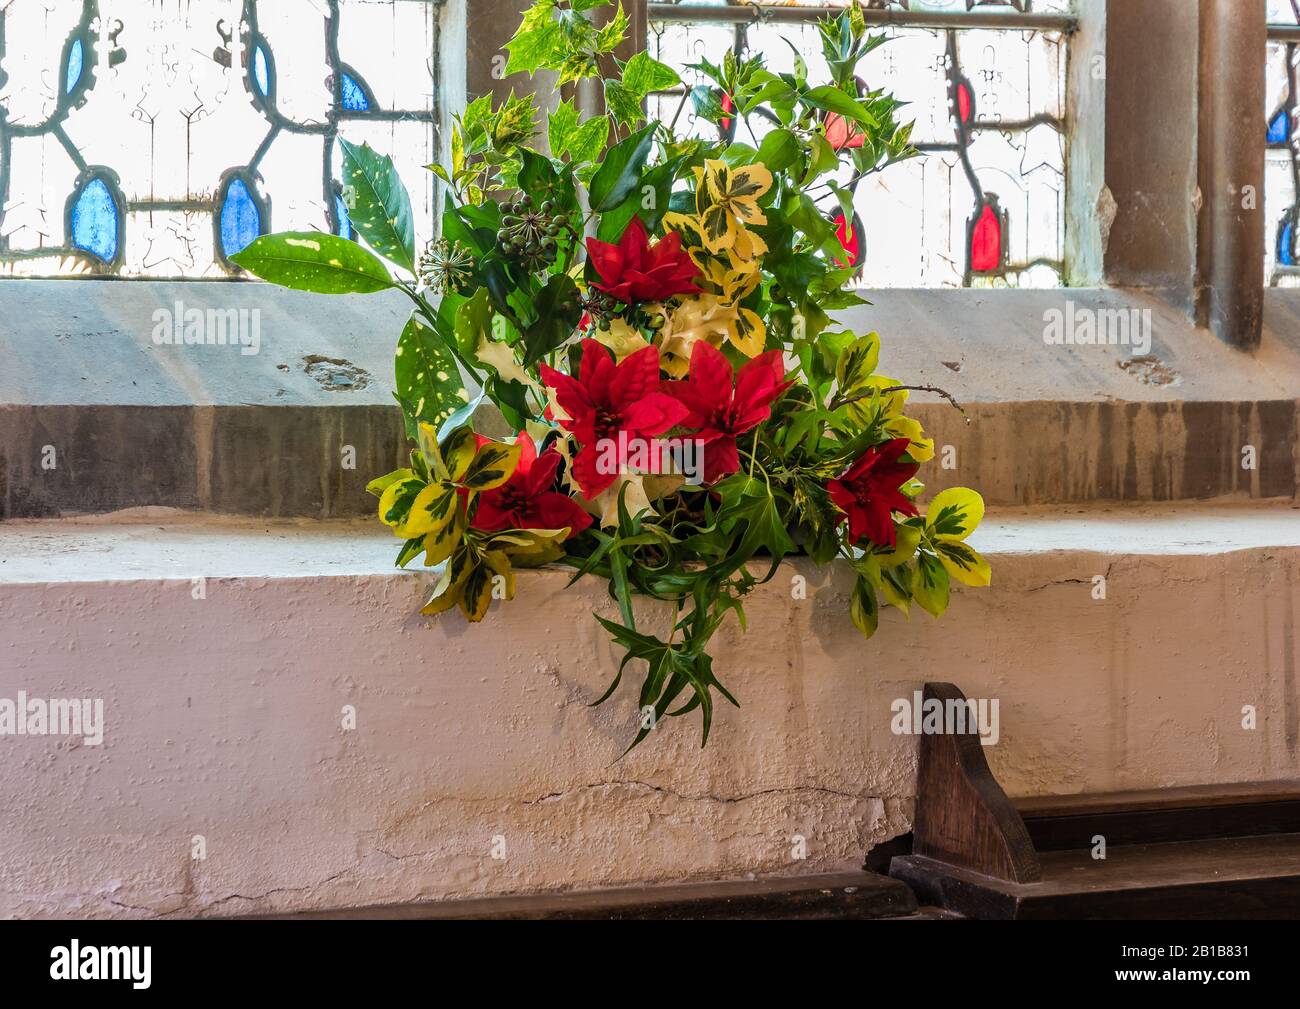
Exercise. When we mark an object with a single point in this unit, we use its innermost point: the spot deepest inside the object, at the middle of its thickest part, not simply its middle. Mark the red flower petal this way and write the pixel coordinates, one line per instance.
(721, 459)
(636, 377)
(607, 259)
(711, 372)
(635, 245)
(589, 478)
(554, 510)
(653, 414)
(596, 366)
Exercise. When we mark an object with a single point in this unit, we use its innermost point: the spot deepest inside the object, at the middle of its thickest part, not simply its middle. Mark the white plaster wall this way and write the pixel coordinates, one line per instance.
(223, 714)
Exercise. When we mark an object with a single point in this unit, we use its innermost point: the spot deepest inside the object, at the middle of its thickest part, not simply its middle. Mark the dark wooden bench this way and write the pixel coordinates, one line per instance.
(1204, 851)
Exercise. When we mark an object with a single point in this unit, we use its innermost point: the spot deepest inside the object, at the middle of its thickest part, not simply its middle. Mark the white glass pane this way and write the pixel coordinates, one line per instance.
(126, 134)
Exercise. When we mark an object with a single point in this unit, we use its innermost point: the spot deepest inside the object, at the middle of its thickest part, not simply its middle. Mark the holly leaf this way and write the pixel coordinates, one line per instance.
(623, 102)
(534, 43)
(612, 34)
(582, 142)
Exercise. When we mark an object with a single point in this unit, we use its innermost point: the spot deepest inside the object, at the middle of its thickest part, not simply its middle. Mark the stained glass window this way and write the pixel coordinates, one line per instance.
(985, 205)
(158, 137)
(1282, 139)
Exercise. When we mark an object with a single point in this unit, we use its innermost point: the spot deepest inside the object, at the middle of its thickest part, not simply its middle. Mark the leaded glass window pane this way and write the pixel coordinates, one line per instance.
(155, 138)
(1282, 151)
(985, 206)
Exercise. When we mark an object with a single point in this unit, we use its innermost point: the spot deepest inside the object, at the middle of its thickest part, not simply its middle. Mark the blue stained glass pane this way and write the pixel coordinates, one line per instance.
(354, 96)
(261, 72)
(94, 221)
(241, 222)
(1279, 130)
(76, 60)
(1285, 244)
(345, 219)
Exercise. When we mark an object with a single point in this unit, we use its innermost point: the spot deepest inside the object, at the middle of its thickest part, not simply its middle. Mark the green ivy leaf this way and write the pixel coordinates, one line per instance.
(314, 261)
(643, 74)
(582, 142)
(379, 205)
(623, 102)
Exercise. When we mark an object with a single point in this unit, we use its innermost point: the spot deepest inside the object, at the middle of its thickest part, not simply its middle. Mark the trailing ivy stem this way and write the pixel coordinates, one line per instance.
(868, 393)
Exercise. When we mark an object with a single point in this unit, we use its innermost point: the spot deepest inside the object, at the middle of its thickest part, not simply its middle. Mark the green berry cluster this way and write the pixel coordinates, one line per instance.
(531, 235)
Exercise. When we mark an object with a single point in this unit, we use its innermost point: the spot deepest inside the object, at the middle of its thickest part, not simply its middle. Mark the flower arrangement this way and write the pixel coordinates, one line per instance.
(651, 313)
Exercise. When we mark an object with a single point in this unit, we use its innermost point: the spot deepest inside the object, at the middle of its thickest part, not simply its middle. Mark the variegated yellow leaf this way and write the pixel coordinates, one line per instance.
(396, 501)
(459, 451)
(493, 465)
(380, 484)
(499, 564)
(748, 334)
(476, 596)
(439, 544)
(446, 593)
(963, 563)
(920, 448)
(954, 513)
(432, 509)
(908, 538)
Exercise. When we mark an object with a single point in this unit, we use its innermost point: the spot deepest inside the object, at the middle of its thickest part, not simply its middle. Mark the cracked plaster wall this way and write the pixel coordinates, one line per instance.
(224, 720)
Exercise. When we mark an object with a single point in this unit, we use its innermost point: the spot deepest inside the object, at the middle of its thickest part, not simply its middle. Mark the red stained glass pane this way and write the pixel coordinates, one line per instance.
(840, 133)
(963, 102)
(986, 241)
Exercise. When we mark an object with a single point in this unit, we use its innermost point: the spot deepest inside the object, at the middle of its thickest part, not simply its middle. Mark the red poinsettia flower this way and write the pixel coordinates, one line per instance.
(868, 492)
(633, 270)
(527, 500)
(607, 399)
(721, 412)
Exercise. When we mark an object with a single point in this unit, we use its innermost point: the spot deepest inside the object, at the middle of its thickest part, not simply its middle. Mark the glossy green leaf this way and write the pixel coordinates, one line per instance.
(621, 170)
(427, 375)
(314, 261)
(378, 204)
